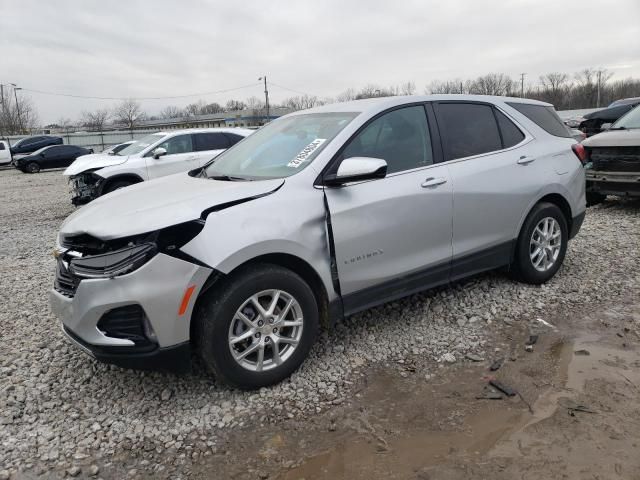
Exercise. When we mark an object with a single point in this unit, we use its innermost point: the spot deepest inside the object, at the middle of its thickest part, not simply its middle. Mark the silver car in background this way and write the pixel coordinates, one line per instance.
(316, 216)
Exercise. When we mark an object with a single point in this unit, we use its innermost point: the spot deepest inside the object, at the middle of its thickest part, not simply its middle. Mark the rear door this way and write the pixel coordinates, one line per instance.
(180, 157)
(495, 177)
(209, 145)
(392, 236)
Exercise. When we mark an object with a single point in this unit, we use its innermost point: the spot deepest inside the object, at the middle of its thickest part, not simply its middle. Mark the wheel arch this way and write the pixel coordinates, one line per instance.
(134, 178)
(286, 260)
(555, 198)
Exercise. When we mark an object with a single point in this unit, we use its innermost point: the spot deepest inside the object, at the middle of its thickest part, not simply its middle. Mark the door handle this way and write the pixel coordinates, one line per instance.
(433, 182)
(524, 160)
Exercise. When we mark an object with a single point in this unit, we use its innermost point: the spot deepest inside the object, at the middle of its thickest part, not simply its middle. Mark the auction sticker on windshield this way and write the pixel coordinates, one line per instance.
(306, 152)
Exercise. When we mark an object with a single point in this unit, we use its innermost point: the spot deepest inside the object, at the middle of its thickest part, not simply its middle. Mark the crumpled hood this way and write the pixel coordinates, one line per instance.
(160, 203)
(614, 138)
(94, 160)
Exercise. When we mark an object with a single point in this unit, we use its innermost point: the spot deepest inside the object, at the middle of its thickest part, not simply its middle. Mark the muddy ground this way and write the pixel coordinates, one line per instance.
(582, 382)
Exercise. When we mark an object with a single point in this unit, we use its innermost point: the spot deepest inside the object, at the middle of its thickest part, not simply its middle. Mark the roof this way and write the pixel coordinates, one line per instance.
(381, 103)
(245, 131)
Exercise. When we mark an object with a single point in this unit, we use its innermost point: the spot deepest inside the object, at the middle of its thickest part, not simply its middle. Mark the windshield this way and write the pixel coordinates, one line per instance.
(39, 151)
(141, 144)
(281, 148)
(628, 121)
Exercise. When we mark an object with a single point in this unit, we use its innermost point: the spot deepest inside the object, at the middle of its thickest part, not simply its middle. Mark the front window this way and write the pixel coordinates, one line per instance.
(628, 121)
(141, 144)
(281, 148)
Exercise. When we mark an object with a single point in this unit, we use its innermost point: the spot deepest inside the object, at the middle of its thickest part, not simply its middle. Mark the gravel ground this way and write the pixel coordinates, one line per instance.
(61, 413)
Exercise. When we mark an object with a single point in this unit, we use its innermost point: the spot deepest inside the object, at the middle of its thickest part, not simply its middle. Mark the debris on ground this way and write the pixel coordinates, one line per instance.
(508, 391)
(497, 363)
(474, 358)
(533, 339)
(489, 393)
(582, 351)
(545, 323)
(528, 348)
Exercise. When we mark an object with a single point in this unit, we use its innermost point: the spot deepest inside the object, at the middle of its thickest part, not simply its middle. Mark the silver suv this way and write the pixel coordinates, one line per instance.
(318, 215)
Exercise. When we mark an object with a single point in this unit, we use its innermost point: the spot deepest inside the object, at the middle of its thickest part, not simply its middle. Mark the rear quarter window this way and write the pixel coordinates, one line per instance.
(543, 116)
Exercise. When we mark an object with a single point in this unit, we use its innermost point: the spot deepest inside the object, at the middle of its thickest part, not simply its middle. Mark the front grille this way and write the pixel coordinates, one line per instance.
(126, 323)
(615, 159)
(65, 282)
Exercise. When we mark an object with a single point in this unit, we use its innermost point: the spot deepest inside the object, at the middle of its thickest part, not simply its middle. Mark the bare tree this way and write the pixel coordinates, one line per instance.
(129, 113)
(408, 88)
(449, 86)
(254, 103)
(300, 103)
(17, 118)
(96, 120)
(235, 105)
(171, 111)
(347, 95)
(492, 84)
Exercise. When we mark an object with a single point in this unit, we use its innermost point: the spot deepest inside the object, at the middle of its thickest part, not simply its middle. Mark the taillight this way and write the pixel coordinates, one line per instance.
(580, 152)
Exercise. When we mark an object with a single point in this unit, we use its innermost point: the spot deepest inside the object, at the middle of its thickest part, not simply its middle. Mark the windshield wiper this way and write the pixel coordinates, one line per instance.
(618, 128)
(227, 178)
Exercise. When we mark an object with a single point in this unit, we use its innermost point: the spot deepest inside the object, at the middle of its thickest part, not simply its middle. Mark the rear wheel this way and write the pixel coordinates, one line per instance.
(257, 328)
(542, 244)
(32, 167)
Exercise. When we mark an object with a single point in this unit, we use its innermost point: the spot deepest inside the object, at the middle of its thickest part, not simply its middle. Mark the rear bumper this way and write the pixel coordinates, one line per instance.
(176, 358)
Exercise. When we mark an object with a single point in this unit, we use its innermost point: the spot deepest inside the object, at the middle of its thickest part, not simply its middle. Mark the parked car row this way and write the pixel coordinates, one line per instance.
(154, 156)
(318, 215)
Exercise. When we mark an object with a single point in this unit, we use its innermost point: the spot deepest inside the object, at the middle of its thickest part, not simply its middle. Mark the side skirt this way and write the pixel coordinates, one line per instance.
(457, 269)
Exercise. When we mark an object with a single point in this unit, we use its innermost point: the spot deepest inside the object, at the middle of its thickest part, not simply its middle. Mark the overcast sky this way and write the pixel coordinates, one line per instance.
(165, 48)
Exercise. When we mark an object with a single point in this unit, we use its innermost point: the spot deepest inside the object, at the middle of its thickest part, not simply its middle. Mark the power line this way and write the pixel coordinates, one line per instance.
(202, 94)
(291, 89)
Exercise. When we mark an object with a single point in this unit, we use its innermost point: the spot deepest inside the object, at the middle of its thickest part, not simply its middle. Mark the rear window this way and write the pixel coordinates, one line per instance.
(211, 141)
(545, 117)
(511, 135)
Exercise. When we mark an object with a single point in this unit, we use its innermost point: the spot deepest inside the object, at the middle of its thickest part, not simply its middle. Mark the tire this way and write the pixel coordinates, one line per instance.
(32, 167)
(594, 198)
(523, 266)
(216, 321)
(117, 185)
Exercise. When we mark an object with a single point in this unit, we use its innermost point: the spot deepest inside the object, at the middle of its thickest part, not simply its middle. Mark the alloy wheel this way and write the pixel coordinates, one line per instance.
(265, 330)
(545, 244)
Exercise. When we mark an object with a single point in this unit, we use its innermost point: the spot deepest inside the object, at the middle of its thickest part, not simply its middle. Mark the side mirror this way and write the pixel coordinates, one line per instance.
(158, 152)
(356, 169)
(605, 126)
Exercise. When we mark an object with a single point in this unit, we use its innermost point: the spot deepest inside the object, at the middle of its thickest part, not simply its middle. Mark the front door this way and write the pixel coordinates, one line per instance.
(392, 236)
(180, 157)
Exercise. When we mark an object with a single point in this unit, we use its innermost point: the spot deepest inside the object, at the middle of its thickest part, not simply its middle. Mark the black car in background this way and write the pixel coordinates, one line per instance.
(56, 156)
(31, 144)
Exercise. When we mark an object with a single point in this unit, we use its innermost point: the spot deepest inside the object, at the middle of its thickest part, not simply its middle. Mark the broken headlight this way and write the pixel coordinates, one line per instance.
(113, 264)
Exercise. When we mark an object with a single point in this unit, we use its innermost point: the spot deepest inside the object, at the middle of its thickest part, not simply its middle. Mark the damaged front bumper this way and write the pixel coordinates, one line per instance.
(613, 183)
(85, 187)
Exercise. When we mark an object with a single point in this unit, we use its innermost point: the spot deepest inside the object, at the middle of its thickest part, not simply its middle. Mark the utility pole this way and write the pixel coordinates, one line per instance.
(15, 93)
(599, 80)
(266, 96)
(2, 118)
(522, 84)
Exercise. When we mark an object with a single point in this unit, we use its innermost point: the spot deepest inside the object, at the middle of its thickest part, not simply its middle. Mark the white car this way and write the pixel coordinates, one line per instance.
(154, 156)
(5, 153)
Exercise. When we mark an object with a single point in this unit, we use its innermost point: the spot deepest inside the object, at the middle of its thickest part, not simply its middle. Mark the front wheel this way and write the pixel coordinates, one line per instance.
(541, 245)
(258, 327)
(32, 167)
